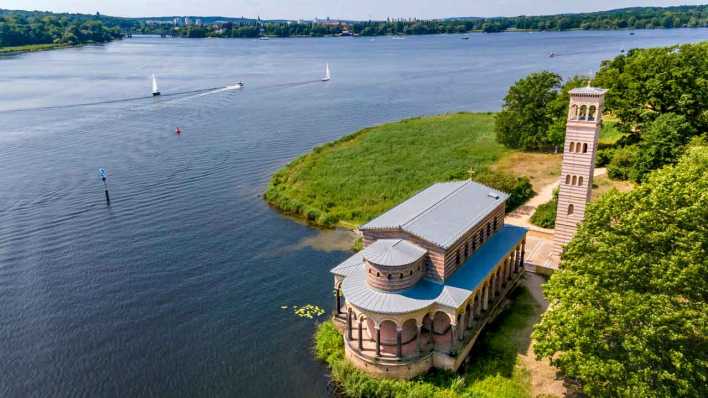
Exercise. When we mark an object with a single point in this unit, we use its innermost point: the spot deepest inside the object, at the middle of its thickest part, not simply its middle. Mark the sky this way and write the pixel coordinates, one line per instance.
(336, 9)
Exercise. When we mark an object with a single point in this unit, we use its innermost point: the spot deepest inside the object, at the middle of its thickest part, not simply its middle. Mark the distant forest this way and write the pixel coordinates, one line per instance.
(19, 28)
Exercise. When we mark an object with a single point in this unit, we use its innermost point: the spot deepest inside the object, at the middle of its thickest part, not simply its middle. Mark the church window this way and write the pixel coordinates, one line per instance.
(572, 147)
(574, 180)
(580, 181)
(585, 148)
(591, 113)
(570, 209)
(567, 179)
(583, 112)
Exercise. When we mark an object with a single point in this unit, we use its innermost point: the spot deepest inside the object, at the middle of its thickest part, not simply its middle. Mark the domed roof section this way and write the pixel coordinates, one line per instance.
(393, 252)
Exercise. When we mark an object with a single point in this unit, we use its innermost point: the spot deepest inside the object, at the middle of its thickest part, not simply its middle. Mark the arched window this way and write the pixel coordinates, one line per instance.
(585, 148)
(567, 179)
(378, 274)
(570, 209)
(583, 112)
(410, 273)
(574, 180)
(400, 276)
(572, 147)
(370, 270)
(489, 229)
(474, 244)
(457, 258)
(591, 113)
(580, 181)
(389, 275)
(467, 251)
(494, 224)
(574, 112)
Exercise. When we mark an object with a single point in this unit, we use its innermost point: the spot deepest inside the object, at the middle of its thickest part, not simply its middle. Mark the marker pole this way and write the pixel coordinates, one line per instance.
(105, 186)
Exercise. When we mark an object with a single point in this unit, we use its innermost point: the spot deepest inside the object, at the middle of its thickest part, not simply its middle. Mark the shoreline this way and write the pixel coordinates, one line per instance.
(33, 48)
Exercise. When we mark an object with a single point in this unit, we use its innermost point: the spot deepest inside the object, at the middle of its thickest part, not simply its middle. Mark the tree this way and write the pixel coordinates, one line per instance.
(524, 119)
(628, 314)
(646, 83)
(661, 144)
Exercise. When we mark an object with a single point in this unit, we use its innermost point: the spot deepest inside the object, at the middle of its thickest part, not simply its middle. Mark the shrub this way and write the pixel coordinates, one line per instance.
(604, 156)
(545, 214)
(622, 163)
(518, 188)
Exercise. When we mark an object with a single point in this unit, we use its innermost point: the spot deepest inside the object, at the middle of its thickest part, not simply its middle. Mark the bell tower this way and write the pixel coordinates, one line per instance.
(581, 136)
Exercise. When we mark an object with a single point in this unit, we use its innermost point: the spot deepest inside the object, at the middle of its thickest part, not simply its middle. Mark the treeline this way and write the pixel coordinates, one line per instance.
(658, 97)
(21, 30)
(630, 18)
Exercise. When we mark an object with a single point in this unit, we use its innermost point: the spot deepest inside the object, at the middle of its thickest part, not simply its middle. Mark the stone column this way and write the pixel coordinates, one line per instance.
(417, 340)
(399, 349)
(478, 300)
(523, 253)
(361, 336)
(338, 302)
(378, 341)
(453, 327)
(485, 299)
(349, 324)
(470, 317)
(513, 258)
(462, 333)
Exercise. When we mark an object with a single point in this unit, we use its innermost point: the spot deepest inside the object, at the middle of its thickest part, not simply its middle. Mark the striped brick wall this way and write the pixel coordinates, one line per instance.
(577, 170)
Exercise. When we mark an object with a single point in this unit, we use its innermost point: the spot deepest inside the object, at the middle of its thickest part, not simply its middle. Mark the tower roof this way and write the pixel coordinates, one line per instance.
(588, 91)
(393, 252)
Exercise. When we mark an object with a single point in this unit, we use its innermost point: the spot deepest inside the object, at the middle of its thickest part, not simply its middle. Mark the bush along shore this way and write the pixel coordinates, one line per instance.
(349, 181)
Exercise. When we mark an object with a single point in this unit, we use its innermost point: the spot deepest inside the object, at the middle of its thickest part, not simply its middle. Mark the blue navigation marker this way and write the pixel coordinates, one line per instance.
(102, 173)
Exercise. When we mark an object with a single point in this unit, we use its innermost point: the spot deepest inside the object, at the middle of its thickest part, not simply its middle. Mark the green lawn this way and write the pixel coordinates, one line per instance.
(495, 370)
(355, 178)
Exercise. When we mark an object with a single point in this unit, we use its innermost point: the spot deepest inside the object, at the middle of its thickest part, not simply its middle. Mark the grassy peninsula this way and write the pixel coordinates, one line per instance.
(351, 180)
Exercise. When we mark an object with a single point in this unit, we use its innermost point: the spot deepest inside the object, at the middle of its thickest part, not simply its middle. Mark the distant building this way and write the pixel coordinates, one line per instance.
(581, 137)
(433, 272)
(198, 21)
(175, 21)
(187, 21)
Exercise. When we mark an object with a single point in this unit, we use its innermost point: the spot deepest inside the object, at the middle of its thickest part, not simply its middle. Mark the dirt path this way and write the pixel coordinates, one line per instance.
(522, 215)
(544, 378)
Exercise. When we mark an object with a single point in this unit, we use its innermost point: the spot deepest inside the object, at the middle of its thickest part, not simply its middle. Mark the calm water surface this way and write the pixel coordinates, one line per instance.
(176, 288)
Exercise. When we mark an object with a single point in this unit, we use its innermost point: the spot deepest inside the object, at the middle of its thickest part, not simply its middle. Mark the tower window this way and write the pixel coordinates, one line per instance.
(567, 179)
(574, 112)
(574, 180)
(583, 112)
(591, 113)
(572, 147)
(580, 181)
(570, 209)
(585, 148)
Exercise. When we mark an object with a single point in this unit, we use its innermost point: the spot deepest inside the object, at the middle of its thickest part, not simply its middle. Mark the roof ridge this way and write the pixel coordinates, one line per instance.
(427, 209)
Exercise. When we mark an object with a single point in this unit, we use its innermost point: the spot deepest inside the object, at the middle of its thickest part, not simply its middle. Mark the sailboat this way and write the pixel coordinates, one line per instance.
(155, 90)
(327, 75)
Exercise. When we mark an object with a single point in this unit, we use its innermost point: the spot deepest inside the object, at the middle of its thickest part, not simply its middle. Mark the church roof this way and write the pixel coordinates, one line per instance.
(453, 293)
(442, 213)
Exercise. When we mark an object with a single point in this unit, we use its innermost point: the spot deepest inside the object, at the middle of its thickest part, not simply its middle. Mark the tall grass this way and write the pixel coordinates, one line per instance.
(494, 372)
(354, 179)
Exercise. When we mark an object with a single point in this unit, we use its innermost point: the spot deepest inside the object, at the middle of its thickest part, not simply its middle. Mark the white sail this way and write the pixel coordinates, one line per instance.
(327, 75)
(155, 90)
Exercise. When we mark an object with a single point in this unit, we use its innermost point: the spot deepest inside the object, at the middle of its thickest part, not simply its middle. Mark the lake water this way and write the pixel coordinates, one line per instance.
(176, 288)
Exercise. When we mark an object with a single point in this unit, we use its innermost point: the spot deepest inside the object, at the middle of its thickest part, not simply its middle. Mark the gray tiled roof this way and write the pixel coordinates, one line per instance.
(393, 252)
(588, 91)
(441, 213)
(453, 293)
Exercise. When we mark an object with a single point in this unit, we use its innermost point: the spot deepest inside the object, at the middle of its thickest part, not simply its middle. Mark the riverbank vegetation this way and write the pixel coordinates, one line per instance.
(495, 370)
(354, 179)
(627, 18)
(637, 263)
(20, 32)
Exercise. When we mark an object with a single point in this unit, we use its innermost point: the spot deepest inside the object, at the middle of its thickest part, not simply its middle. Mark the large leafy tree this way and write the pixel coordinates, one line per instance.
(524, 119)
(647, 83)
(628, 314)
